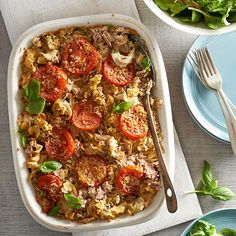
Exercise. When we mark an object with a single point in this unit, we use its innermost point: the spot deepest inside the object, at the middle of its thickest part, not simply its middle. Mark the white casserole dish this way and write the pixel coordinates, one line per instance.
(198, 29)
(14, 107)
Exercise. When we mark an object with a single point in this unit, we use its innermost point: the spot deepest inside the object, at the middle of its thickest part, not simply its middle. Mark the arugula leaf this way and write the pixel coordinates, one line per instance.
(53, 211)
(36, 106)
(49, 166)
(120, 108)
(209, 186)
(32, 90)
(23, 138)
(227, 232)
(146, 64)
(203, 228)
(110, 26)
(73, 201)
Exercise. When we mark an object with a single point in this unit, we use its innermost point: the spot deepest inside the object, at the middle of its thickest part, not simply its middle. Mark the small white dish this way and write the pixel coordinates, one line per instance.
(14, 108)
(199, 29)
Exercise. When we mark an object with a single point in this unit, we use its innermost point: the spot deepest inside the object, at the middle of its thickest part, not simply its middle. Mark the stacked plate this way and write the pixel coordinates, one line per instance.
(201, 102)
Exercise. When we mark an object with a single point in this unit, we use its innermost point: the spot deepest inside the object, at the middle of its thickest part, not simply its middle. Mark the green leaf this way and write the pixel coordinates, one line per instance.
(120, 108)
(35, 106)
(49, 166)
(23, 138)
(203, 228)
(207, 175)
(222, 193)
(227, 232)
(73, 201)
(110, 26)
(146, 64)
(32, 90)
(53, 211)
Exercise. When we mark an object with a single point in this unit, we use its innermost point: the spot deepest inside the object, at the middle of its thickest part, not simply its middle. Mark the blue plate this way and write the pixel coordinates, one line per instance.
(223, 218)
(201, 102)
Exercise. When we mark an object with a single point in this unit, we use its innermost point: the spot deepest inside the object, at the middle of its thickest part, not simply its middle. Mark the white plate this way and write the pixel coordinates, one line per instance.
(14, 107)
(199, 29)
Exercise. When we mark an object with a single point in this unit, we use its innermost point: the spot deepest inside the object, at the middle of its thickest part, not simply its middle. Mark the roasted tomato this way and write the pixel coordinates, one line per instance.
(128, 179)
(84, 117)
(79, 57)
(45, 203)
(91, 170)
(53, 82)
(133, 123)
(60, 146)
(50, 188)
(116, 75)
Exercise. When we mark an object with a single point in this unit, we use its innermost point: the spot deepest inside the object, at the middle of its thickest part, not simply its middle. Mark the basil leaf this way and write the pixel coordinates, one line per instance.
(32, 90)
(203, 228)
(227, 232)
(120, 108)
(49, 166)
(146, 64)
(23, 138)
(35, 106)
(222, 193)
(53, 211)
(207, 175)
(72, 201)
(110, 26)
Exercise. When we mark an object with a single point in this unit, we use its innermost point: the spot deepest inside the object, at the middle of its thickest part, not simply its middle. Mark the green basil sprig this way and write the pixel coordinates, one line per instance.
(146, 64)
(209, 186)
(120, 108)
(36, 103)
(49, 166)
(73, 201)
(203, 228)
(53, 211)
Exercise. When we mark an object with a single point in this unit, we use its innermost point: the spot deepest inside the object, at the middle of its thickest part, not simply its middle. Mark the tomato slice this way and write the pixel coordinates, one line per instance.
(50, 186)
(128, 179)
(53, 82)
(91, 170)
(133, 123)
(60, 146)
(84, 117)
(79, 57)
(116, 75)
(45, 204)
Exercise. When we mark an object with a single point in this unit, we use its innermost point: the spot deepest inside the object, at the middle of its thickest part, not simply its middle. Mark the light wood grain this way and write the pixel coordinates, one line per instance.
(197, 145)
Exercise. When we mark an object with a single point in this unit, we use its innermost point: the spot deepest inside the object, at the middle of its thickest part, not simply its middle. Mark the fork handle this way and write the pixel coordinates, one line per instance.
(171, 200)
(228, 108)
(229, 122)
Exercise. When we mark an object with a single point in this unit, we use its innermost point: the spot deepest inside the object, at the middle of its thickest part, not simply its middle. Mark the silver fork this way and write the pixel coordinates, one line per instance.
(208, 74)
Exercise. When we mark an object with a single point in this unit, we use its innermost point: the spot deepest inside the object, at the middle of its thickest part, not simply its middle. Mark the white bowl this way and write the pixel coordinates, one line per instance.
(14, 107)
(199, 28)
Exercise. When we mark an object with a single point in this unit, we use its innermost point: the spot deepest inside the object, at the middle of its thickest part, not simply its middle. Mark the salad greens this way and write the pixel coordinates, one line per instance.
(209, 186)
(203, 228)
(36, 103)
(215, 13)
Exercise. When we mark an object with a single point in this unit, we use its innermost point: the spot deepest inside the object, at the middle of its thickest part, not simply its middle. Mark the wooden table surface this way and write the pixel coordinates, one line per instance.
(196, 144)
